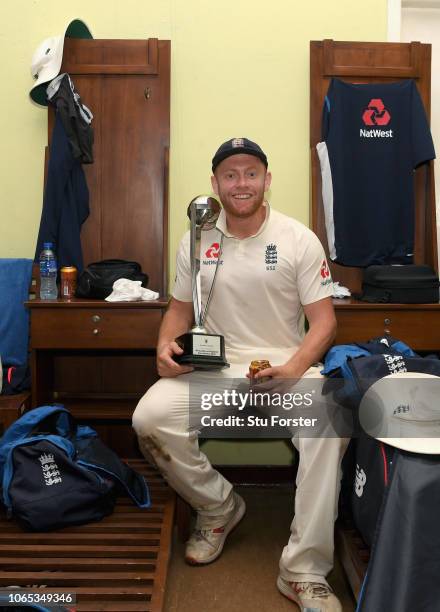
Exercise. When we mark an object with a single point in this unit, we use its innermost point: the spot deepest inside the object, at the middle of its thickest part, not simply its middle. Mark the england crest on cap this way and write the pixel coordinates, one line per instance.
(237, 142)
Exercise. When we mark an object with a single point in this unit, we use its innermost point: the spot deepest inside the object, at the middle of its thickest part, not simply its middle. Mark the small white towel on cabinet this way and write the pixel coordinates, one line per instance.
(125, 290)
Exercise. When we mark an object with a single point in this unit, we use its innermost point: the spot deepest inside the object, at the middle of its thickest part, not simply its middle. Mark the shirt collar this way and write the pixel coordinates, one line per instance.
(222, 227)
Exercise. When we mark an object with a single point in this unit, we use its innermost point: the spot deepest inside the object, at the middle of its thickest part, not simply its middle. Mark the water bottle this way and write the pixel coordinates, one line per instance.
(48, 273)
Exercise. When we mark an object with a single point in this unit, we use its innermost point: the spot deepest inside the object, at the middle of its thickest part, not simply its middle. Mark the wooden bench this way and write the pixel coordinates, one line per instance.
(119, 563)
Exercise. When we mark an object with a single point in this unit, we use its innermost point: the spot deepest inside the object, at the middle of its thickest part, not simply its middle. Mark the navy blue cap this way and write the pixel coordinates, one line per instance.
(235, 146)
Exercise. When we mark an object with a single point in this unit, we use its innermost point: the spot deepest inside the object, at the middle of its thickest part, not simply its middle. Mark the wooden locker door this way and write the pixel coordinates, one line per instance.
(126, 83)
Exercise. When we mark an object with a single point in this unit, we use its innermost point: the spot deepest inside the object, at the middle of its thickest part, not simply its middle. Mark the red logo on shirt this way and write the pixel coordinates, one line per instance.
(325, 272)
(213, 251)
(376, 113)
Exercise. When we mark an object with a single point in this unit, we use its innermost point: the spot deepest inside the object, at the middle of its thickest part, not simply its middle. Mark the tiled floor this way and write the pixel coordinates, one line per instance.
(243, 578)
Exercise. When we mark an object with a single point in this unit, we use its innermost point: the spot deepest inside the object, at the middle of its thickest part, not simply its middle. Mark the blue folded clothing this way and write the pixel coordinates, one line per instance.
(15, 279)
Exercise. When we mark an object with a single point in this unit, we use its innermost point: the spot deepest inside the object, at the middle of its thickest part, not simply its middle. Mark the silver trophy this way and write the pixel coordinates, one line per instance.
(200, 349)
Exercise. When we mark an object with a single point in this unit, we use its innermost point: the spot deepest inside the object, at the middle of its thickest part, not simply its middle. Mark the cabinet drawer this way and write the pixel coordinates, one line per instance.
(96, 328)
(419, 328)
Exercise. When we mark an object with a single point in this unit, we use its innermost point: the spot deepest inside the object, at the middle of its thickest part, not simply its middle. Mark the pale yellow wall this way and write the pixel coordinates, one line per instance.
(424, 24)
(239, 68)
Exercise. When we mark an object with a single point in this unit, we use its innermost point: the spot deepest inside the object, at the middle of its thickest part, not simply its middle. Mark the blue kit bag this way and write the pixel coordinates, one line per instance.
(55, 473)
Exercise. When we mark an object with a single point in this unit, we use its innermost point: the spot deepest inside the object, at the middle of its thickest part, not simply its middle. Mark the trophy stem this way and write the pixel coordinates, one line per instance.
(198, 329)
(195, 273)
(205, 311)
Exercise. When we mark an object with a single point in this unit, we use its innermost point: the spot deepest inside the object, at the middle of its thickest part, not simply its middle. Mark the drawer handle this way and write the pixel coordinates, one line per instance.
(96, 318)
(387, 321)
(387, 332)
(96, 331)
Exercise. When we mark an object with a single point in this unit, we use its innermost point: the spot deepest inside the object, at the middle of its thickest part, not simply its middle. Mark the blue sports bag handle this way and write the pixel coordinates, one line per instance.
(23, 426)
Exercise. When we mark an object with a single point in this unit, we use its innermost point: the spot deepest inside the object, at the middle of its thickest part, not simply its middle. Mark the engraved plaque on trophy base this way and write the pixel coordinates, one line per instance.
(202, 351)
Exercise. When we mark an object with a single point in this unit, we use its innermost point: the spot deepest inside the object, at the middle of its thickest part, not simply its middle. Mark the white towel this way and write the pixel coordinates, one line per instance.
(125, 290)
(339, 291)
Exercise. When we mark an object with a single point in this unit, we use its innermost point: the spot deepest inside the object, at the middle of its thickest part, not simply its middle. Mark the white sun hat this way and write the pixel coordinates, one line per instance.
(48, 57)
(403, 410)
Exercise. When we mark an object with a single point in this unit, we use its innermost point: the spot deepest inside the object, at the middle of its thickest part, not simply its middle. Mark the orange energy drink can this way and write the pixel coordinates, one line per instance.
(68, 282)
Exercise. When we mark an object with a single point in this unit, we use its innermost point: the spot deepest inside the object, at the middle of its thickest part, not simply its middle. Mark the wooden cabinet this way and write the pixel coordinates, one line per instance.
(364, 62)
(95, 357)
(85, 326)
(415, 324)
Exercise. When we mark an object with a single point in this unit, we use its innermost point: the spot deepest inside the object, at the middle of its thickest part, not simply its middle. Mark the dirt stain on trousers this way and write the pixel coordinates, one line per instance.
(154, 448)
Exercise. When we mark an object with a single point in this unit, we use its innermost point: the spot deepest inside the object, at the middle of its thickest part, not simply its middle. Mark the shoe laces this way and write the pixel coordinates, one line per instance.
(202, 535)
(314, 589)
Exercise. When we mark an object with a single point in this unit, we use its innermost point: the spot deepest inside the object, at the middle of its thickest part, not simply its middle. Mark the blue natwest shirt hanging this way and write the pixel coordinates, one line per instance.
(373, 137)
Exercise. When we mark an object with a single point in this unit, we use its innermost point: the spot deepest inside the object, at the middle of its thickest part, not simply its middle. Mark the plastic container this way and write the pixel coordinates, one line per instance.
(48, 273)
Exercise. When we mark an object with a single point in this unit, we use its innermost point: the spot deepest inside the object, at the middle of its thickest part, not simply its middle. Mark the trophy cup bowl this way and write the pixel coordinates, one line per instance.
(206, 211)
(201, 350)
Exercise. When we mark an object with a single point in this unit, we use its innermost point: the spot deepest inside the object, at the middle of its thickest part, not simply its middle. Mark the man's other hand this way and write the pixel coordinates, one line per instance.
(282, 371)
(275, 379)
(166, 366)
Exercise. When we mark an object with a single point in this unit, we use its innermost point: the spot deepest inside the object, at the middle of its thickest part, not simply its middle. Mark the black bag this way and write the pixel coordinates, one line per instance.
(404, 560)
(375, 461)
(16, 379)
(96, 281)
(372, 473)
(409, 284)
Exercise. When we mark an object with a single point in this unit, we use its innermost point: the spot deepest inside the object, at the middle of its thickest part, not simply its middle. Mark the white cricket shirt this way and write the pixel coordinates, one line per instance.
(261, 285)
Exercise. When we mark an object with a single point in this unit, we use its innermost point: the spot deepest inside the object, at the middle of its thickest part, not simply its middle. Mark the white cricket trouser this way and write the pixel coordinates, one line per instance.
(162, 425)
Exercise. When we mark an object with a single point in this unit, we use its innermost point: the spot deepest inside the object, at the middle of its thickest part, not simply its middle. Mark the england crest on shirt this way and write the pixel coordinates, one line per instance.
(271, 256)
